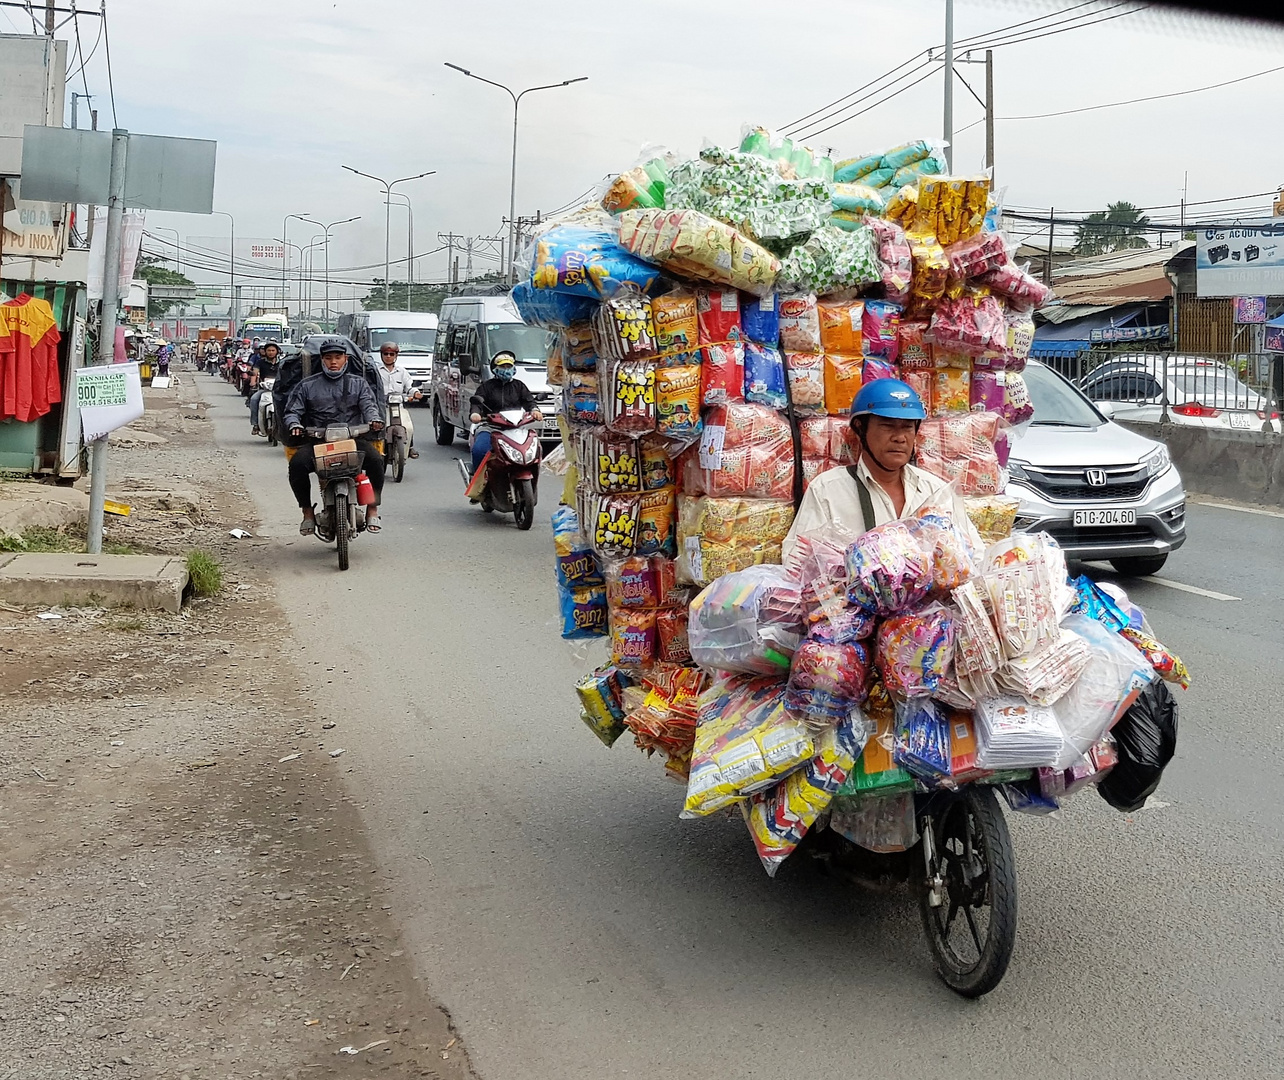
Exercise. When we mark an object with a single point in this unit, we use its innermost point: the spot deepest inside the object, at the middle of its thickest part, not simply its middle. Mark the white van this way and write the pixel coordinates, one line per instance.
(415, 333)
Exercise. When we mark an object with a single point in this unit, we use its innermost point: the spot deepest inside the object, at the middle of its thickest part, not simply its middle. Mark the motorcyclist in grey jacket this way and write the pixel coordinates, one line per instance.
(333, 397)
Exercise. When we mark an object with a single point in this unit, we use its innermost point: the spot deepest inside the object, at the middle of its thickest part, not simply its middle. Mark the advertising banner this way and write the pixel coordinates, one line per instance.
(1247, 260)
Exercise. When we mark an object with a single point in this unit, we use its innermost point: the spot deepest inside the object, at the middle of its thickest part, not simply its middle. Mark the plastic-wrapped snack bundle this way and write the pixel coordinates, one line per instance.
(720, 536)
(581, 401)
(1045, 675)
(843, 375)
(952, 207)
(963, 767)
(923, 739)
(665, 718)
(749, 621)
(575, 342)
(947, 544)
(902, 206)
(857, 199)
(826, 437)
(609, 463)
(764, 375)
(1097, 604)
(1021, 289)
(1168, 664)
(961, 449)
(841, 326)
(849, 170)
(826, 682)
(657, 523)
(779, 817)
(914, 350)
(876, 770)
(970, 258)
(1017, 406)
(1011, 733)
(913, 651)
(744, 450)
(882, 821)
(551, 310)
(887, 569)
(931, 270)
(676, 327)
(601, 704)
(658, 470)
(586, 259)
(630, 397)
(987, 390)
(896, 261)
(1020, 339)
(880, 329)
(643, 582)
(951, 391)
(745, 741)
(583, 612)
(722, 373)
(718, 314)
(992, 515)
(677, 401)
(972, 325)
(1022, 603)
(689, 242)
(760, 318)
(806, 381)
(672, 642)
(624, 328)
(641, 187)
(833, 259)
(577, 566)
(612, 523)
(800, 326)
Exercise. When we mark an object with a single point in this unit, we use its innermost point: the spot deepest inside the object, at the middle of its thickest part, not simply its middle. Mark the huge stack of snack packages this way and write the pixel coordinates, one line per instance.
(712, 321)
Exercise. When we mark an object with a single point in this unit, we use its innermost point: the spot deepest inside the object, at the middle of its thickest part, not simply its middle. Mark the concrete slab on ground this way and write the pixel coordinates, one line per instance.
(146, 582)
(23, 505)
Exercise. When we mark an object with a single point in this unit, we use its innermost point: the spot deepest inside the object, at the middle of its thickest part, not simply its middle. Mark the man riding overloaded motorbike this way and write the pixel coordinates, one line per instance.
(506, 449)
(337, 398)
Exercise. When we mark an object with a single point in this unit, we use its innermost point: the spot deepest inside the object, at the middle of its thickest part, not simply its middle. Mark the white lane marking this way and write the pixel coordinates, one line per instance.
(1182, 587)
(1241, 509)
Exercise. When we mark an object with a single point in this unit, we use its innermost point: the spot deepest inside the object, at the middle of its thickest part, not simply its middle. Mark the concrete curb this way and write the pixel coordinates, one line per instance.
(143, 582)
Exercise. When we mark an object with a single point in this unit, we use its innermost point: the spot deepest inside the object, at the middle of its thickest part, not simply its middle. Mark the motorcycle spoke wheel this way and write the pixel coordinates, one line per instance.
(399, 462)
(341, 529)
(972, 930)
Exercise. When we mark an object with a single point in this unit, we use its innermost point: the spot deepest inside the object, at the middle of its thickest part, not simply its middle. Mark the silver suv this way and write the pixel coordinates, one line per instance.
(1100, 490)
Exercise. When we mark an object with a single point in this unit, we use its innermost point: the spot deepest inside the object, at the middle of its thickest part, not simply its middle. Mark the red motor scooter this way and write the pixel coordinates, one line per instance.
(507, 479)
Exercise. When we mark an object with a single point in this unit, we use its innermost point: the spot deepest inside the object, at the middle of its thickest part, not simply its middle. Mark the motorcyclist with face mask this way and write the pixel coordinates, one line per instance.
(499, 393)
(333, 397)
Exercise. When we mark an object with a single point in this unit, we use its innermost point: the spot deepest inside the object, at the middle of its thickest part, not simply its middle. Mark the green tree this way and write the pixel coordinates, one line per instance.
(154, 272)
(1120, 227)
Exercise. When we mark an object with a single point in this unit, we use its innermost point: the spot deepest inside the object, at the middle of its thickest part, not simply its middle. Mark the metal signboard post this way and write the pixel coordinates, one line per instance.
(143, 172)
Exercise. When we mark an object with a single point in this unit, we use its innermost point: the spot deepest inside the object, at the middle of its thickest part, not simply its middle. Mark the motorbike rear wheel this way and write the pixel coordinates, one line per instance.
(398, 460)
(524, 507)
(341, 529)
(968, 894)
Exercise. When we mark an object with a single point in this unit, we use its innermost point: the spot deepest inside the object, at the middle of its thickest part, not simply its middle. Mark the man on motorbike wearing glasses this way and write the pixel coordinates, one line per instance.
(397, 380)
(333, 397)
(499, 393)
(265, 362)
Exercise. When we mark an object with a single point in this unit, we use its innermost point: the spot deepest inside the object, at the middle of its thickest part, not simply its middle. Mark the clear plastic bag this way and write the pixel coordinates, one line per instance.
(719, 536)
(1011, 733)
(691, 243)
(826, 681)
(914, 650)
(1044, 675)
(888, 571)
(882, 822)
(750, 621)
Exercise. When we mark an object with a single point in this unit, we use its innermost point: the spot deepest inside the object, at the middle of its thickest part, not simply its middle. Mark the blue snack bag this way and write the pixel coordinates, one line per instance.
(764, 375)
(577, 565)
(760, 318)
(583, 612)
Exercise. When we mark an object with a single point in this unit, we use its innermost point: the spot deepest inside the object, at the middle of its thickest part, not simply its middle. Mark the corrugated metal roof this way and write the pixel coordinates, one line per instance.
(1062, 313)
(1119, 261)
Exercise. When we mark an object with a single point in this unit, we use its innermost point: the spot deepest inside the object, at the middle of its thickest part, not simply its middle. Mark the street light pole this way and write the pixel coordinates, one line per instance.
(285, 289)
(410, 245)
(178, 246)
(342, 221)
(234, 307)
(308, 251)
(948, 126)
(388, 185)
(512, 186)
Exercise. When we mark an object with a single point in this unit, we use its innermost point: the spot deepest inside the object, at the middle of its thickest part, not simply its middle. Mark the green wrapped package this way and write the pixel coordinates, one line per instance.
(833, 259)
(850, 170)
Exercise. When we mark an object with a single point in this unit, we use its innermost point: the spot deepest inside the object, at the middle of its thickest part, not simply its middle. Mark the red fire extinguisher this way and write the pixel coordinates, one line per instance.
(365, 490)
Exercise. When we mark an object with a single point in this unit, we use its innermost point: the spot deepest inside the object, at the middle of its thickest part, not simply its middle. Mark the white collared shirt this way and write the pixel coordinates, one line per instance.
(832, 497)
(396, 380)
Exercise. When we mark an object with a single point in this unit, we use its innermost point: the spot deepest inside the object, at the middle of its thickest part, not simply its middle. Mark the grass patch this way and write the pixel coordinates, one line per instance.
(42, 539)
(205, 573)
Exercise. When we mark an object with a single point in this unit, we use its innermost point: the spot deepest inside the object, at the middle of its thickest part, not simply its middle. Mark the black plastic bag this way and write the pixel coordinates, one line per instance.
(1147, 739)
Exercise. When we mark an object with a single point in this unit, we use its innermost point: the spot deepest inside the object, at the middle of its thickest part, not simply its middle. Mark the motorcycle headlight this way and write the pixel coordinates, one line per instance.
(1156, 461)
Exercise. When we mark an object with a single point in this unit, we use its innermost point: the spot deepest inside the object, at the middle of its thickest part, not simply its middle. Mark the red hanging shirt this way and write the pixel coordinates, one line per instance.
(30, 384)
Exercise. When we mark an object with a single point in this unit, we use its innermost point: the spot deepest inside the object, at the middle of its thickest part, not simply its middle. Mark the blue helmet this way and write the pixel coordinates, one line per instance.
(888, 397)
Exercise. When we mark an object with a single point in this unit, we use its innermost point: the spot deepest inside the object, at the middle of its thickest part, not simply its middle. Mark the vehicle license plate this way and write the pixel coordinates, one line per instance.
(1104, 517)
(1241, 420)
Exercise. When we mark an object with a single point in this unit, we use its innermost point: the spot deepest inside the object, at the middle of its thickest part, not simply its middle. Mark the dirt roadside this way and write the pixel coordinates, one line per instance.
(185, 887)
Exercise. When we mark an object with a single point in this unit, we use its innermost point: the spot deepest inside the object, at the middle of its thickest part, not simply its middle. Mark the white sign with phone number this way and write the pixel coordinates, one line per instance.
(108, 397)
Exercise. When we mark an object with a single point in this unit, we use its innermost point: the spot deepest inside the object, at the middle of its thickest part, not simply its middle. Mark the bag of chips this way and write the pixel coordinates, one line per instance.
(764, 376)
(841, 326)
(583, 612)
(677, 329)
(677, 401)
(580, 400)
(612, 524)
(624, 328)
(601, 704)
(551, 310)
(718, 313)
(799, 323)
(931, 268)
(722, 374)
(609, 463)
(760, 318)
(632, 637)
(951, 391)
(672, 642)
(842, 382)
(880, 329)
(914, 351)
(657, 523)
(586, 260)
(630, 397)
(577, 566)
(806, 381)
(658, 467)
(876, 368)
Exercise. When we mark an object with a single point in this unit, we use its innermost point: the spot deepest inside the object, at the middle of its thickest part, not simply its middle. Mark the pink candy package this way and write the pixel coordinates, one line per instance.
(973, 325)
(1019, 287)
(914, 651)
(978, 255)
(894, 258)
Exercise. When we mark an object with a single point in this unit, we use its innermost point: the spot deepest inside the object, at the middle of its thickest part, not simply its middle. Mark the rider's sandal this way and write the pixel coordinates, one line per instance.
(373, 526)
(308, 527)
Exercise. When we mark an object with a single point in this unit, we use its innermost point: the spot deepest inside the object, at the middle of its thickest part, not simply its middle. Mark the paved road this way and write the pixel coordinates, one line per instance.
(575, 928)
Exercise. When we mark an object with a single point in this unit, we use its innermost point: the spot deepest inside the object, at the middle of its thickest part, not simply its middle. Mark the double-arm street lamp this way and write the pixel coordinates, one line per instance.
(342, 221)
(388, 185)
(512, 187)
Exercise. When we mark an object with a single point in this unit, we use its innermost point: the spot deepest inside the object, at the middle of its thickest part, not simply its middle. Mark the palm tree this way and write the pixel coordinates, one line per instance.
(1121, 226)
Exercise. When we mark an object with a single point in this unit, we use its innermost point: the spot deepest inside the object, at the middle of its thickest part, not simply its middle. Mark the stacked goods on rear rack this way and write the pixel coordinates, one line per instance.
(714, 320)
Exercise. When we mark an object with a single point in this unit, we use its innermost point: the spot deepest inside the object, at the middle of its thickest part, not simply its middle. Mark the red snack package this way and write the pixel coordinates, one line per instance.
(718, 312)
(672, 645)
(722, 378)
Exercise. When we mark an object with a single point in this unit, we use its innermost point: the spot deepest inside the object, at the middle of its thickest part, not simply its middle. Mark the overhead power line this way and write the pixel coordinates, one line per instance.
(111, 86)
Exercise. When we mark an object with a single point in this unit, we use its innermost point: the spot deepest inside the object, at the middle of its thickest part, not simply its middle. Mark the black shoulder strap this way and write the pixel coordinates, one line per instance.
(862, 493)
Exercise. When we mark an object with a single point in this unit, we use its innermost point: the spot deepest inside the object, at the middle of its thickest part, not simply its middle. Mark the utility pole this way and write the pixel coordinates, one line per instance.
(107, 327)
(948, 132)
(50, 6)
(989, 113)
(451, 240)
(1052, 228)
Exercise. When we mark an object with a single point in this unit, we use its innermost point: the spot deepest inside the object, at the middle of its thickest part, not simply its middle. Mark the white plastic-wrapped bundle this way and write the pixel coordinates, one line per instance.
(1011, 733)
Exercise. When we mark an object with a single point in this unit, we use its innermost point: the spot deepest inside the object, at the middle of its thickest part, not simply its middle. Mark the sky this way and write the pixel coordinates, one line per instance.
(294, 89)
